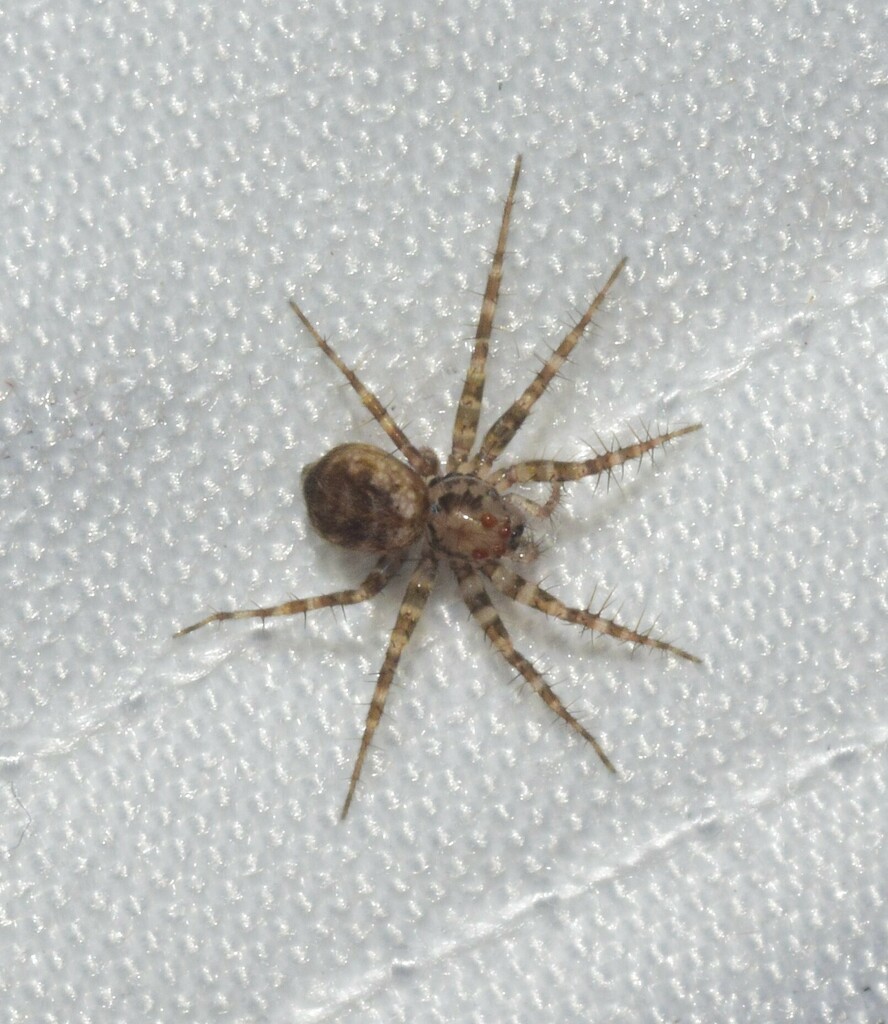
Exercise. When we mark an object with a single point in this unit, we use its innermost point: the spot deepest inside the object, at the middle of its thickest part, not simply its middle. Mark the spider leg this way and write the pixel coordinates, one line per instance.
(510, 584)
(548, 471)
(478, 602)
(505, 428)
(465, 427)
(382, 572)
(415, 597)
(423, 461)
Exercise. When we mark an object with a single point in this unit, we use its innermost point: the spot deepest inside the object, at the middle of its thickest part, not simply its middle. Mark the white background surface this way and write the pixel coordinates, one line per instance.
(169, 176)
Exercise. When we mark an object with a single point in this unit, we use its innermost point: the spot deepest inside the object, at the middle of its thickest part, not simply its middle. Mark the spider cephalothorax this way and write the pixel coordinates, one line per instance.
(469, 520)
(365, 499)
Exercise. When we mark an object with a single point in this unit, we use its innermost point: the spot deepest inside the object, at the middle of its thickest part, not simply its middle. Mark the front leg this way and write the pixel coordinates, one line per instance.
(547, 471)
(524, 591)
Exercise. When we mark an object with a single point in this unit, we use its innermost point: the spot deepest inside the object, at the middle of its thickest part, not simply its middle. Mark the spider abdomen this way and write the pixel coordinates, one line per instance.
(469, 519)
(360, 497)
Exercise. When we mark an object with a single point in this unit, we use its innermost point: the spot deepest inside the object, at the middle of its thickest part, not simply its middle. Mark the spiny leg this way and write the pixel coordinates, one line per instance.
(475, 596)
(382, 572)
(469, 409)
(523, 591)
(548, 471)
(422, 461)
(505, 428)
(415, 597)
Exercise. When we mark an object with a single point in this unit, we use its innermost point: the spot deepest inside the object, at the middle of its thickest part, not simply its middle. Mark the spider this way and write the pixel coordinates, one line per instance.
(365, 499)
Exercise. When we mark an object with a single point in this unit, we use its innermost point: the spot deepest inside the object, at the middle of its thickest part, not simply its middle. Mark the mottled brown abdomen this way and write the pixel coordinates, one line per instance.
(362, 498)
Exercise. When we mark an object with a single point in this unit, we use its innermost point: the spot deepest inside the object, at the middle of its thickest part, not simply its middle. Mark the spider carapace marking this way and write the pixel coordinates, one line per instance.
(365, 499)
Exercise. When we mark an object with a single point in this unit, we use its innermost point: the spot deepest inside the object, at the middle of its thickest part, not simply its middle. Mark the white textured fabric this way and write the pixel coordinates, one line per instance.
(170, 175)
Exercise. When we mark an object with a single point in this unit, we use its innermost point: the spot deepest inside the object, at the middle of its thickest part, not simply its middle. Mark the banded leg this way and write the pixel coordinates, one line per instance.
(423, 461)
(547, 471)
(505, 428)
(382, 572)
(415, 597)
(510, 584)
(475, 596)
(469, 409)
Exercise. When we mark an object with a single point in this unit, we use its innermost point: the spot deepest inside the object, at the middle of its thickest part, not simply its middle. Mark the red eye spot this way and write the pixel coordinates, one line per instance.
(479, 554)
(488, 520)
(505, 531)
